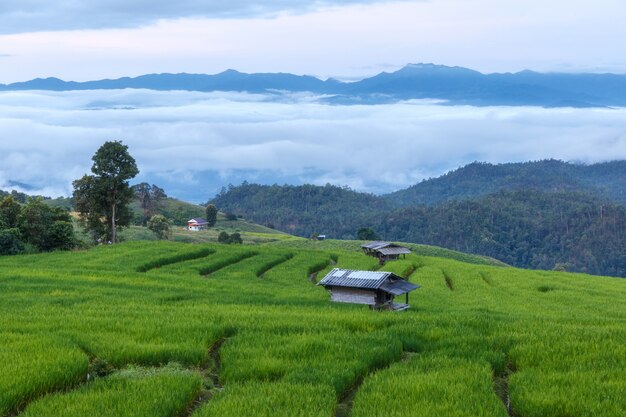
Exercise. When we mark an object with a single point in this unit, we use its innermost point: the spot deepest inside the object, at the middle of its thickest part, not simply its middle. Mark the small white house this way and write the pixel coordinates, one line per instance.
(197, 224)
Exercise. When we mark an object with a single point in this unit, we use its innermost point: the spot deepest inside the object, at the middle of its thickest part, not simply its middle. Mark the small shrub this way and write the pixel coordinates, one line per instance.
(235, 238)
(223, 237)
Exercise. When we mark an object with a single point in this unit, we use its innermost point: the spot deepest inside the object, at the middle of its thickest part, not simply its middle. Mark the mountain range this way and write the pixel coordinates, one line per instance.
(451, 85)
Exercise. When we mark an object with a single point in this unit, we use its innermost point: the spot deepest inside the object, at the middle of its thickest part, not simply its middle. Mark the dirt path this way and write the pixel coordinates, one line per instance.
(211, 372)
(501, 386)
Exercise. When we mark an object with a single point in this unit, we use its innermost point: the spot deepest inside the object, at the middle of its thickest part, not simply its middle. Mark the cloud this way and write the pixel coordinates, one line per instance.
(18, 16)
(194, 143)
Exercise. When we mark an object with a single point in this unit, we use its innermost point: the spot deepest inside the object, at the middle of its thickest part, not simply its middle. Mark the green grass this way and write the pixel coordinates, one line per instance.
(554, 343)
(250, 234)
(422, 250)
(131, 392)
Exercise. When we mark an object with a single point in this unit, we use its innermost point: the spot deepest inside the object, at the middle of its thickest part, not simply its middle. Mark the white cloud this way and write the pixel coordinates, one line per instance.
(193, 143)
(18, 16)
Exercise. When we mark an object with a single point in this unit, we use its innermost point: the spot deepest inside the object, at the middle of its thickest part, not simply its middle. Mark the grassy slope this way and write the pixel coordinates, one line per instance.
(355, 246)
(554, 342)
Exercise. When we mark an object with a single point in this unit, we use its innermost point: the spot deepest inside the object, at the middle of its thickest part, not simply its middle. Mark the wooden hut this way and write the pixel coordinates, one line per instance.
(374, 288)
(385, 251)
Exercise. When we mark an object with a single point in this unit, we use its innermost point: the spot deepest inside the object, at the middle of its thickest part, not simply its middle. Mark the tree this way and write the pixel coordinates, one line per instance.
(149, 197)
(9, 210)
(160, 226)
(142, 193)
(44, 227)
(366, 233)
(223, 237)
(211, 215)
(105, 195)
(235, 238)
(10, 243)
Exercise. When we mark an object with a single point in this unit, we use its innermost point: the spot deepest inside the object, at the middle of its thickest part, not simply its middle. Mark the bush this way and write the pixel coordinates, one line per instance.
(61, 235)
(223, 237)
(160, 226)
(235, 238)
(10, 243)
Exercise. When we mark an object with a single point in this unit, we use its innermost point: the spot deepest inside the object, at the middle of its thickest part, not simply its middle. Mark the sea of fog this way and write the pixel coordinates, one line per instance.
(194, 143)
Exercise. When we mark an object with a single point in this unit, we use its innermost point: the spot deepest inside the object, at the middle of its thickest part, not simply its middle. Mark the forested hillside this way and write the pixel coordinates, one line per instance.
(534, 229)
(305, 209)
(564, 228)
(480, 178)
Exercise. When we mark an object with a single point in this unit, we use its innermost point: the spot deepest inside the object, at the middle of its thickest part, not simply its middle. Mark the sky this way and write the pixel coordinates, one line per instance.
(193, 143)
(93, 39)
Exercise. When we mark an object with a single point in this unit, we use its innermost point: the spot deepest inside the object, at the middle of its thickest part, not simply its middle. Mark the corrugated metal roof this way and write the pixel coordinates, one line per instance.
(366, 275)
(394, 250)
(398, 287)
(354, 279)
(386, 248)
(386, 281)
(376, 245)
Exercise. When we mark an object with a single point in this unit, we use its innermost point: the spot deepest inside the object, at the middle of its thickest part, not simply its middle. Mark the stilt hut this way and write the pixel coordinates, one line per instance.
(374, 288)
(385, 251)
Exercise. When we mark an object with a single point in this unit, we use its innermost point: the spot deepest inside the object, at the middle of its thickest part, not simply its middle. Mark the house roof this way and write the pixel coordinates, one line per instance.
(386, 248)
(398, 287)
(394, 250)
(198, 220)
(374, 280)
(377, 244)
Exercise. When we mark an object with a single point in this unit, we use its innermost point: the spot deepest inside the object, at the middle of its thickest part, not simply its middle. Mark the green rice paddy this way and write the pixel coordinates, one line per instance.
(202, 330)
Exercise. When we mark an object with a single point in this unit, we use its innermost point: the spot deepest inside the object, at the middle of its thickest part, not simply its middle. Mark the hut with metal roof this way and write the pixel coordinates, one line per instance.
(385, 251)
(374, 288)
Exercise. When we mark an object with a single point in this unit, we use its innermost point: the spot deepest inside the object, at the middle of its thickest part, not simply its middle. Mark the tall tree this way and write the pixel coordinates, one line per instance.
(9, 210)
(106, 194)
(143, 194)
(211, 215)
(149, 197)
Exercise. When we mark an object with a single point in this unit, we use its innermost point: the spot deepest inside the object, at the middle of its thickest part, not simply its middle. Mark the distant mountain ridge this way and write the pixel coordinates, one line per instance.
(455, 85)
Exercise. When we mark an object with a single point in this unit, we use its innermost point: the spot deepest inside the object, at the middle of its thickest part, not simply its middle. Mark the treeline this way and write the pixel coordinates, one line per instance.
(530, 228)
(18, 196)
(303, 210)
(33, 227)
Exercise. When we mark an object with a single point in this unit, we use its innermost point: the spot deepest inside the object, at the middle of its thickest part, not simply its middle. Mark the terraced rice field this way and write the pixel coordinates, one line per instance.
(170, 329)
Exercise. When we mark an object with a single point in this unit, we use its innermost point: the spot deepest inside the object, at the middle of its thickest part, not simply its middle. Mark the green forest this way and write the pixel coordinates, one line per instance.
(541, 219)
